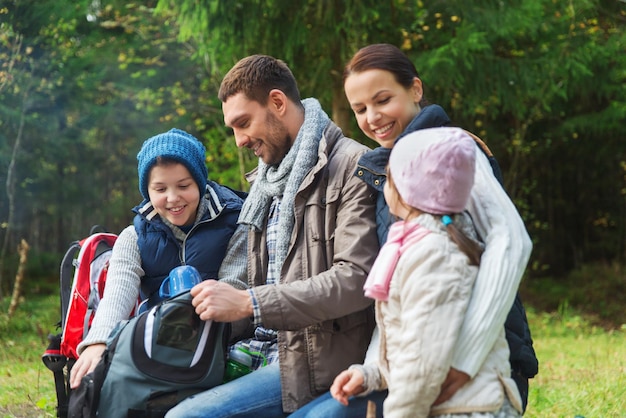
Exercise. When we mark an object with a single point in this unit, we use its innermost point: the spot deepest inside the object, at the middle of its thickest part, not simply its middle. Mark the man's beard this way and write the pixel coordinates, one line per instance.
(277, 142)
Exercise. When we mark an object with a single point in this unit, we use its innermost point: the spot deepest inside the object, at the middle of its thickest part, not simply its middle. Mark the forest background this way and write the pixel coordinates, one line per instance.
(543, 82)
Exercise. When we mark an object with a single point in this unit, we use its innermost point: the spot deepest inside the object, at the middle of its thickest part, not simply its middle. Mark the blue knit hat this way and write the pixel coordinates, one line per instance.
(176, 145)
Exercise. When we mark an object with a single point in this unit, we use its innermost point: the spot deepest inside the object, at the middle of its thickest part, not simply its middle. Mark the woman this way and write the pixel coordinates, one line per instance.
(386, 95)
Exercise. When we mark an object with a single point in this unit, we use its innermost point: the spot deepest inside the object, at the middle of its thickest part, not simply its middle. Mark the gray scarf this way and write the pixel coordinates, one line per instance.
(285, 179)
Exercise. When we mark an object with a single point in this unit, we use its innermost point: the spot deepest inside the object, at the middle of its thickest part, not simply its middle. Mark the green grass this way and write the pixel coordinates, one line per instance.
(27, 384)
(582, 366)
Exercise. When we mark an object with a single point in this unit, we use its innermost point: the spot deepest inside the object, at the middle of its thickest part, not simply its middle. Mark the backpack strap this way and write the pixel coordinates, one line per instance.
(66, 276)
(481, 144)
(495, 167)
(56, 362)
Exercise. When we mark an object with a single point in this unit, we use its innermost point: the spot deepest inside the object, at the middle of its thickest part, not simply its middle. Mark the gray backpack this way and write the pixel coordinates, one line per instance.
(153, 361)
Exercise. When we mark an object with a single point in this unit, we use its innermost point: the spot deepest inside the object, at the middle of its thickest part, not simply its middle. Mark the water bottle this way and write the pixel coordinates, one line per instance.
(239, 364)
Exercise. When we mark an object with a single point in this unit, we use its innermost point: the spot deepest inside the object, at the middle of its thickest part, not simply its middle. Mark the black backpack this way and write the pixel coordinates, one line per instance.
(152, 362)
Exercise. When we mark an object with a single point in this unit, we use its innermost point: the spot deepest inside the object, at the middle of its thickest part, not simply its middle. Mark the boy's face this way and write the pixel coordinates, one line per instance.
(257, 127)
(174, 193)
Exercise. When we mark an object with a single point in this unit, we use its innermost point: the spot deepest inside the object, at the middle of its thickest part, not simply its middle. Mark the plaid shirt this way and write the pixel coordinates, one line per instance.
(264, 345)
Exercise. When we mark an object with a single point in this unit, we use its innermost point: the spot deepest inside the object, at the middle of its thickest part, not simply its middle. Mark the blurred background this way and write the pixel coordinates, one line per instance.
(543, 82)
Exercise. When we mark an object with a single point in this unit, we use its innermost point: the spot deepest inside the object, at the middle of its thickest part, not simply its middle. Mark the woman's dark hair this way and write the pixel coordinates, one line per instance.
(385, 57)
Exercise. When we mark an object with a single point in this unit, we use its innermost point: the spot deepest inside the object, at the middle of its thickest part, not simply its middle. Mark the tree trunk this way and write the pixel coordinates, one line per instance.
(341, 111)
(342, 115)
(19, 277)
(10, 188)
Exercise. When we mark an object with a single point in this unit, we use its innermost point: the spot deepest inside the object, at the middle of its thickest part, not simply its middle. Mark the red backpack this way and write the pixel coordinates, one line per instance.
(87, 287)
(82, 278)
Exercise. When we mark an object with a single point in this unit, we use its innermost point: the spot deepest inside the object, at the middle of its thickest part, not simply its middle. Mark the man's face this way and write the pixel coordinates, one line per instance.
(256, 127)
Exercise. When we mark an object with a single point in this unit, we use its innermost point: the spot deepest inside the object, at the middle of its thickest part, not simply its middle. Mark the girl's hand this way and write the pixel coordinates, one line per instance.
(347, 383)
(86, 363)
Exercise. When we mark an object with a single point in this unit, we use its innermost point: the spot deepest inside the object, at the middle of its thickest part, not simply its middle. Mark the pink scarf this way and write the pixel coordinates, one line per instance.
(401, 235)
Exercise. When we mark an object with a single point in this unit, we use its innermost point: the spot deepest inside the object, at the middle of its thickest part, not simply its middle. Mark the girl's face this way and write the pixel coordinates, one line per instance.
(174, 193)
(383, 107)
(397, 207)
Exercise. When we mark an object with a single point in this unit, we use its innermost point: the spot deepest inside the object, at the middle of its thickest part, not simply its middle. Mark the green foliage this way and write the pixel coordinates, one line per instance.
(42, 272)
(596, 290)
(542, 82)
(88, 93)
(315, 38)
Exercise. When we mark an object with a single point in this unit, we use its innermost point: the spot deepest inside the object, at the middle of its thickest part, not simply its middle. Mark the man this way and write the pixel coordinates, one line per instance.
(311, 240)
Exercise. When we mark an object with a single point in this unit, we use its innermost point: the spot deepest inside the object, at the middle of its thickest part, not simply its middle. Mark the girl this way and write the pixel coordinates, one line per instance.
(422, 282)
(184, 219)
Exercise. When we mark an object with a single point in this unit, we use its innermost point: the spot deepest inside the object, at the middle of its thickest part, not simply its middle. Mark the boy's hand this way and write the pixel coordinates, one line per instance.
(86, 363)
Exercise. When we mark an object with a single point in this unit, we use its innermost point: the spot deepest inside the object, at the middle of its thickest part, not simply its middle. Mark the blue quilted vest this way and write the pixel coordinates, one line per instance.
(203, 247)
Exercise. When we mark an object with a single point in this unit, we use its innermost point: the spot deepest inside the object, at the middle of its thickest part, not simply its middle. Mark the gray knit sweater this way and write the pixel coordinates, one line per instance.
(125, 273)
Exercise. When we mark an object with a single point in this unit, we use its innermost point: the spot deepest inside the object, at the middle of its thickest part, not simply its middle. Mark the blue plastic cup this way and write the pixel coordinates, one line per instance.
(180, 279)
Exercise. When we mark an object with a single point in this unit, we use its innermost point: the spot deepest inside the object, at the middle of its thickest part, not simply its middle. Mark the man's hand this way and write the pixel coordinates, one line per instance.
(86, 362)
(454, 381)
(347, 383)
(220, 302)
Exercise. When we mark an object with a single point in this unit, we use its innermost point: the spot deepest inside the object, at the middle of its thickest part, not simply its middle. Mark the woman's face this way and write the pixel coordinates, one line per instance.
(383, 107)
(174, 193)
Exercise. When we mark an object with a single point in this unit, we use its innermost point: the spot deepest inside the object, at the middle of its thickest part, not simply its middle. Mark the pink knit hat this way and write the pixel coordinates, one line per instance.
(433, 169)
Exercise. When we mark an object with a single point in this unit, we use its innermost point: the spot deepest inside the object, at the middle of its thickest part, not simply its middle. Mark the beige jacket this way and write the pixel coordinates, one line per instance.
(419, 326)
(325, 322)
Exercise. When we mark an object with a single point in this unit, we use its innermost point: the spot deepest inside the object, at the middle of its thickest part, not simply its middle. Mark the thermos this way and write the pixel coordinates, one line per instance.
(239, 364)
